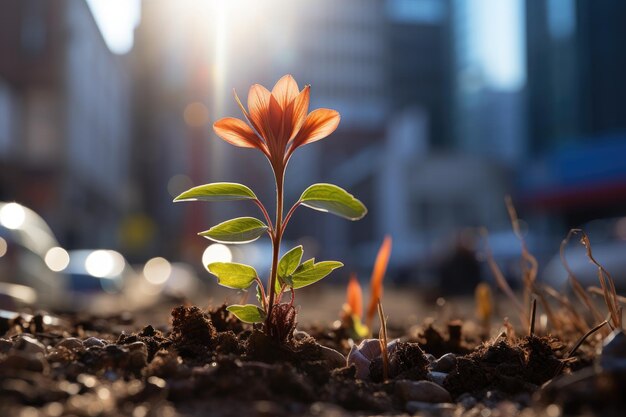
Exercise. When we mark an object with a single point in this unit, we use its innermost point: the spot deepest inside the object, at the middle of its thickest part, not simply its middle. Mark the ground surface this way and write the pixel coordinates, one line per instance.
(194, 361)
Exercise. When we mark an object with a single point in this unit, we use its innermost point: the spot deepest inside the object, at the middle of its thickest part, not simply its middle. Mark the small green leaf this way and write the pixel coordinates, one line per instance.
(248, 313)
(306, 265)
(217, 191)
(259, 296)
(284, 281)
(239, 230)
(333, 199)
(309, 272)
(233, 275)
(290, 261)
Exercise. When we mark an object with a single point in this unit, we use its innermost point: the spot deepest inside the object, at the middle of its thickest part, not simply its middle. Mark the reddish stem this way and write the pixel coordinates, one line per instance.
(289, 214)
(265, 214)
(262, 290)
(276, 238)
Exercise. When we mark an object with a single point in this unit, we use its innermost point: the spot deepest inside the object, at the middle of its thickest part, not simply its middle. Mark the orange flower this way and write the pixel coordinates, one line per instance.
(277, 121)
(378, 274)
(354, 296)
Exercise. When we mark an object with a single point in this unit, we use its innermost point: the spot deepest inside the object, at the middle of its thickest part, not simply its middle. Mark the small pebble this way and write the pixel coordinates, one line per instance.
(72, 343)
(29, 344)
(425, 391)
(138, 355)
(93, 341)
(137, 346)
(364, 353)
(59, 354)
(421, 406)
(25, 361)
(333, 358)
(362, 364)
(437, 377)
(446, 363)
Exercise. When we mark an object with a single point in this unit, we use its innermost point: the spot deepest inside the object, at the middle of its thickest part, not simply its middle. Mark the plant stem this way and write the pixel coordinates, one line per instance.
(265, 214)
(276, 238)
(289, 214)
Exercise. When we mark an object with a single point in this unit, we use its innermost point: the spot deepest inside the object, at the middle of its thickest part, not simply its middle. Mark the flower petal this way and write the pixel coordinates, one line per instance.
(258, 107)
(318, 124)
(298, 110)
(237, 132)
(276, 125)
(285, 91)
(245, 112)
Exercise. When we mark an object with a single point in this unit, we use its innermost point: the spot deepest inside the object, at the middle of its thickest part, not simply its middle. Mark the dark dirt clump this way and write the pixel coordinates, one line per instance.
(435, 343)
(507, 367)
(193, 333)
(352, 394)
(542, 363)
(406, 361)
(152, 338)
(224, 321)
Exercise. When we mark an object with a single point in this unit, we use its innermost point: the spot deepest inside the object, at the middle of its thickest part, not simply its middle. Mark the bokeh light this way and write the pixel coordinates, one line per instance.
(216, 253)
(3, 247)
(157, 270)
(57, 259)
(196, 114)
(12, 216)
(104, 263)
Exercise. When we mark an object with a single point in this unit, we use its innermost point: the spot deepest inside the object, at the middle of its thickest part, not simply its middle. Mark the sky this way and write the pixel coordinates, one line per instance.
(497, 33)
(117, 20)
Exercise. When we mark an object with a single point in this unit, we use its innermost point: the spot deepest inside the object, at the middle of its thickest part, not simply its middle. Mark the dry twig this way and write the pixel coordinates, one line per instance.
(382, 336)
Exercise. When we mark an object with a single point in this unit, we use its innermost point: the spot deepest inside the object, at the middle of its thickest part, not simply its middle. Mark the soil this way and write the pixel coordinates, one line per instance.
(206, 362)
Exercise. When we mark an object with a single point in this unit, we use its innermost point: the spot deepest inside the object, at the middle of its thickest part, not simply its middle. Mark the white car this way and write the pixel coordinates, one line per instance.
(30, 259)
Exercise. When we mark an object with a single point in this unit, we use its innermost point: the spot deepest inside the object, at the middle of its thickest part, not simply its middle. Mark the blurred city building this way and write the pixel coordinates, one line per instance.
(64, 119)
(447, 105)
(576, 118)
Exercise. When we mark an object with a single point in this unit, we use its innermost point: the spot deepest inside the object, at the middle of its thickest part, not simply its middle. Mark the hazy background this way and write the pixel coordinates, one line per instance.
(447, 106)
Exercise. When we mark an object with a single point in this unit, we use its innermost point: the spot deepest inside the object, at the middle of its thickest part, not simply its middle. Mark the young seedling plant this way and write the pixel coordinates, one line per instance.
(352, 310)
(276, 123)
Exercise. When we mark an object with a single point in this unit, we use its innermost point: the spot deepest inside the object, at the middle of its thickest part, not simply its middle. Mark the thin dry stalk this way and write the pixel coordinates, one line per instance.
(579, 343)
(382, 336)
(556, 322)
(598, 291)
(606, 283)
(530, 265)
(578, 288)
(574, 317)
(501, 281)
(533, 312)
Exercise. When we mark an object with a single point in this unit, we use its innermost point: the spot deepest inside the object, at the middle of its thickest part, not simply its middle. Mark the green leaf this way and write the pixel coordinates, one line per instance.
(233, 275)
(259, 296)
(333, 199)
(239, 230)
(310, 272)
(290, 261)
(306, 265)
(248, 313)
(217, 191)
(284, 281)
